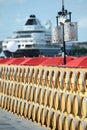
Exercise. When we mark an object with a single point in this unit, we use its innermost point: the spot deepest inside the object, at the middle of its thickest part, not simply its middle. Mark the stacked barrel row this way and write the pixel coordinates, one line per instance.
(54, 97)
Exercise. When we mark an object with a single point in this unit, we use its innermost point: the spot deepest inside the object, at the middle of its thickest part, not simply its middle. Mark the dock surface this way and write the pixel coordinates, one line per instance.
(9, 121)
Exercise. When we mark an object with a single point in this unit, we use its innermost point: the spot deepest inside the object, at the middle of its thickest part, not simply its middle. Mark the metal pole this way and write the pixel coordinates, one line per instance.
(64, 49)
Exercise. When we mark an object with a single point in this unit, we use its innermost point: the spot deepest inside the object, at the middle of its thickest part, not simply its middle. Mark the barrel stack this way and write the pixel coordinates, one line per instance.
(54, 97)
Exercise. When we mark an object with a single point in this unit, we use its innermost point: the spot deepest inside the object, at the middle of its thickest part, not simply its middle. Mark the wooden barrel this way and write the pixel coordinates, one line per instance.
(46, 95)
(1, 101)
(43, 76)
(74, 124)
(18, 107)
(11, 104)
(21, 108)
(69, 103)
(15, 106)
(51, 98)
(60, 122)
(77, 105)
(27, 92)
(38, 114)
(47, 118)
(82, 125)
(30, 105)
(43, 116)
(60, 80)
(66, 81)
(53, 79)
(23, 91)
(47, 78)
(34, 111)
(17, 74)
(67, 120)
(5, 88)
(31, 93)
(8, 103)
(37, 76)
(63, 101)
(5, 103)
(19, 89)
(72, 80)
(25, 109)
(84, 107)
(80, 81)
(56, 100)
(36, 94)
(41, 95)
(53, 118)
(15, 89)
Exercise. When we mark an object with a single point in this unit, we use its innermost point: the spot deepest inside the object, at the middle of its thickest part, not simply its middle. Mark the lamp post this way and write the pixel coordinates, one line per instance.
(65, 16)
(64, 47)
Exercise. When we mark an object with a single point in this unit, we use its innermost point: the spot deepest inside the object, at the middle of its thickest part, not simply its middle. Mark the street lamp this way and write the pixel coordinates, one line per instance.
(64, 16)
(63, 40)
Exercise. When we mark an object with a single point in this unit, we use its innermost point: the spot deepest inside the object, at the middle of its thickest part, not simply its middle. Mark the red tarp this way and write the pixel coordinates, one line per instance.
(79, 62)
(35, 61)
(55, 61)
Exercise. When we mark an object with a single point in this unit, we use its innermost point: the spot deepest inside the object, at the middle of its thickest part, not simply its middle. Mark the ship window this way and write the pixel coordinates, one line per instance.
(28, 46)
(31, 22)
(18, 46)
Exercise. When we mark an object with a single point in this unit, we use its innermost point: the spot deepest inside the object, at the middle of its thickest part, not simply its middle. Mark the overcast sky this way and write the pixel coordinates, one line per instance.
(14, 13)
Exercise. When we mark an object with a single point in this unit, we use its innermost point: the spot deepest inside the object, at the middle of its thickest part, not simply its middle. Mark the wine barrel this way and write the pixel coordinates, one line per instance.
(67, 120)
(77, 105)
(47, 117)
(51, 98)
(31, 93)
(27, 91)
(60, 79)
(21, 108)
(30, 105)
(11, 104)
(56, 100)
(17, 74)
(36, 94)
(8, 103)
(15, 89)
(74, 124)
(84, 107)
(41, 95)
(80, 81)
(5, 103)
(82, 125)
(72, 77)
(47, 78)
(38, 114)
(66, 80)
(18, 107)
(69, 103)
(15, 106)
(33, 112)
(63, 101)
(60, 122)
(26, 109)
(43, 116)
(46, 95)
(1, 101)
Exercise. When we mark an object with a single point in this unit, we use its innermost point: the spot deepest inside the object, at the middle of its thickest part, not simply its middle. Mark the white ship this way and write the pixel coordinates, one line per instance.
(33, 40)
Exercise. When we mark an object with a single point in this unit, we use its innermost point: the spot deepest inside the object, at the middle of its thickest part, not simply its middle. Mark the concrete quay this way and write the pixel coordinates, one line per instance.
(8, 121)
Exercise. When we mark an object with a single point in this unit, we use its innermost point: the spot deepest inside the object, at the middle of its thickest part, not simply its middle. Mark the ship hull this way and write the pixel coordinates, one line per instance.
(33, 52)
